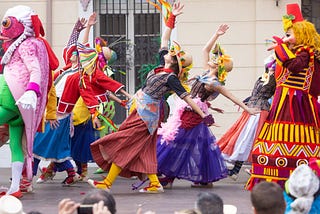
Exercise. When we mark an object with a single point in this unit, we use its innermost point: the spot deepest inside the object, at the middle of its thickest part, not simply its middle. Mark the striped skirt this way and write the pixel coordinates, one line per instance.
(289, 137)
(132, 148)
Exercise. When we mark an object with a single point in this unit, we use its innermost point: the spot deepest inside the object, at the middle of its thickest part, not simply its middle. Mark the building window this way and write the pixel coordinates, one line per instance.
(135, 25)
(311, 12)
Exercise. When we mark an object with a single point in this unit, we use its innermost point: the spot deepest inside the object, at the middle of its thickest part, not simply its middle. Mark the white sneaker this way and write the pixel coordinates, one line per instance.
(234, 177)
(229, 165)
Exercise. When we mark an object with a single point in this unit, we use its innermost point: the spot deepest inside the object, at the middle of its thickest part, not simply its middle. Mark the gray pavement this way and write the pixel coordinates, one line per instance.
(46, 197)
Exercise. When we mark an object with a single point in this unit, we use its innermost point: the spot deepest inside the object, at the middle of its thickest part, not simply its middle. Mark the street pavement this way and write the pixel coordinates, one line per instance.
(46, 196)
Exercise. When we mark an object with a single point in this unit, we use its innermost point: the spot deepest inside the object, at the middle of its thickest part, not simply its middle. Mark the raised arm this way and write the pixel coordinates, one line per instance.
(91, 21)
(73, 39)
(209, 45)
(225, 92)
(176, 10)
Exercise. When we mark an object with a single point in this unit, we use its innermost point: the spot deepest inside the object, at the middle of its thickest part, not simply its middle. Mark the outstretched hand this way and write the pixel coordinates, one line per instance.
(177, 8)
(219, 110)
(92, 19)
(80, 25)
(222, 29)
(275, 42)
(253, 111)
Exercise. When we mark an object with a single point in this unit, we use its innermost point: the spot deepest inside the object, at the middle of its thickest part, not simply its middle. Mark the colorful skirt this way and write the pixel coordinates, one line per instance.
(54, 144)
(236, 144)
(193, 155)
(289, 137)
(84, 135)
(132, 148)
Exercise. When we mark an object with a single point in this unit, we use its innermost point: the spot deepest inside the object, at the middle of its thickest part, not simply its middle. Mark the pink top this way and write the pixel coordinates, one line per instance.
(28, 69)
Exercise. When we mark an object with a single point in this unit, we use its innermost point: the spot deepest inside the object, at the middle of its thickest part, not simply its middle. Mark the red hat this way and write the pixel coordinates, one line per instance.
(294, 9)
(293, 15)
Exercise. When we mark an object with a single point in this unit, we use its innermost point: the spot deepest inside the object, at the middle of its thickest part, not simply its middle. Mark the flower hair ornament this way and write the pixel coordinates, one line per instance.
(184, 59)
(225, 63)
(184, 62)
(106, 55)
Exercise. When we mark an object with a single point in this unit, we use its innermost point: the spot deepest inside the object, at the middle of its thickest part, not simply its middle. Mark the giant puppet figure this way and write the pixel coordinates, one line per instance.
(24, 84)
(290, 135)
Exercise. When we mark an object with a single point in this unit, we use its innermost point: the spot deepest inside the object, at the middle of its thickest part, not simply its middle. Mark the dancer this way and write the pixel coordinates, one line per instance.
(236, 143)
(132, 149)
(186, 147)
(290, 135)
(85, 132)
(55, 143)
(24, 85)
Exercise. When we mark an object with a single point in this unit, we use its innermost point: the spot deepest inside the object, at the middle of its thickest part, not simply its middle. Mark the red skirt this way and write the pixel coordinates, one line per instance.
(132, 148)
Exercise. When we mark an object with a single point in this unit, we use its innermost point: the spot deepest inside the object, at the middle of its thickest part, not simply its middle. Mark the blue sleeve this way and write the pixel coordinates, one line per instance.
(162, 52)
(176, 86)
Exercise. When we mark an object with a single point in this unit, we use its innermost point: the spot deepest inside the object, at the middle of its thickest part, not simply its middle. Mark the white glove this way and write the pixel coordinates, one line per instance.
(28, 100)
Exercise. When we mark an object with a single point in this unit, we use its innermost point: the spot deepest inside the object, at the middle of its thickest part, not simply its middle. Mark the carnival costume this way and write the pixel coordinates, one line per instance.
(55, 143)
(131, 151)
(136, 136)
(92, 85)
(291, 136)
(27, 62)
(236, 143)
(186, 147)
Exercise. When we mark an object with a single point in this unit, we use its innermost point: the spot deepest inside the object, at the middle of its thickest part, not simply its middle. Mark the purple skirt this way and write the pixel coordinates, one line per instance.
(193, 155)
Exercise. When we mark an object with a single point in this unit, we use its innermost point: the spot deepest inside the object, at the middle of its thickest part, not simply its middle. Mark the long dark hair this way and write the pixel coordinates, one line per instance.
(175, 65)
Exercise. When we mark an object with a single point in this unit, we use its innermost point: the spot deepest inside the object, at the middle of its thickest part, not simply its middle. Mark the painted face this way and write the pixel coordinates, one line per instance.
(213, 63)
(290, 39)
(11, 29)
(168, 58)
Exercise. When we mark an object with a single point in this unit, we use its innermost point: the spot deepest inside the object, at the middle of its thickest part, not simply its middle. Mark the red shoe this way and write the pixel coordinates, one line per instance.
(17, 194)
(26, 185)
(70, 180)
(45, 175)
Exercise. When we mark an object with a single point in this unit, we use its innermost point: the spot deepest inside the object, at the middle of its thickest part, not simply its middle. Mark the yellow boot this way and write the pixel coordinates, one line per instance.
(108, 181)
(154, 185)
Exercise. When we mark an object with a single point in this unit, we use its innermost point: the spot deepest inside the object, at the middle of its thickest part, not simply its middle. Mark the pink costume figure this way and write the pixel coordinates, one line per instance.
(27, 62)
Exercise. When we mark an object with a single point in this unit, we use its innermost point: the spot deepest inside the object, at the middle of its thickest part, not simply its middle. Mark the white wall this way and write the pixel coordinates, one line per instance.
(251, 22)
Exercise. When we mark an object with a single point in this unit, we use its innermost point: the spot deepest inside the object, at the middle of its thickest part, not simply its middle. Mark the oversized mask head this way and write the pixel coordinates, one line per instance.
(11, 29)
(16, 26)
